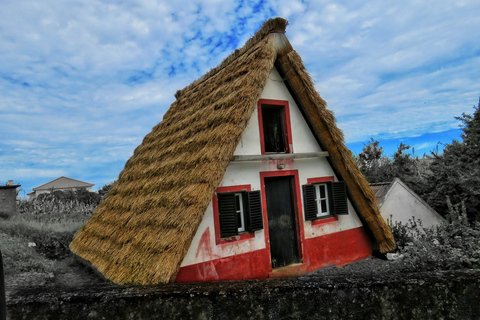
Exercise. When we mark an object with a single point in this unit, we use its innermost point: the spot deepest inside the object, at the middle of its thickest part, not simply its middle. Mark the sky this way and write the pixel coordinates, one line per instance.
(82, 82)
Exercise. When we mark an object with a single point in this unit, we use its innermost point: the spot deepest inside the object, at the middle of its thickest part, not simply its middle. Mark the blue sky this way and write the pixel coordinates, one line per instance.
(82, 82)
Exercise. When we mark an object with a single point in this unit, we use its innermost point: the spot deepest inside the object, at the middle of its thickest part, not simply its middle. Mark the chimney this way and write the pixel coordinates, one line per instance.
(10, 183)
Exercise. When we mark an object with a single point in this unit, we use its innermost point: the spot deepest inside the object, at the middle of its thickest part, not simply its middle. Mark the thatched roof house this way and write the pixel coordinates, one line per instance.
(143, 230)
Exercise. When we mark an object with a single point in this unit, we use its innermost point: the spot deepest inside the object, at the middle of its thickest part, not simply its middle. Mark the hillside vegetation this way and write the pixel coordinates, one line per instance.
(35, 240)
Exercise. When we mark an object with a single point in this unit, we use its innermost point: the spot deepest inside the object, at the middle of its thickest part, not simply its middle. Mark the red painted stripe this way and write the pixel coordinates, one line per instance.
(252, 265)
(338, 249)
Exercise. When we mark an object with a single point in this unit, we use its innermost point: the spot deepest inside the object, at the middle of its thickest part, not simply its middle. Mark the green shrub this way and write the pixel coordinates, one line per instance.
(50, 205)
(81, 195)
(404, 234)
(454, 244)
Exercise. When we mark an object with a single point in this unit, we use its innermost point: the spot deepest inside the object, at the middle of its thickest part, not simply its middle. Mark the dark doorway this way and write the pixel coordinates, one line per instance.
(281, 221)
(274, 128)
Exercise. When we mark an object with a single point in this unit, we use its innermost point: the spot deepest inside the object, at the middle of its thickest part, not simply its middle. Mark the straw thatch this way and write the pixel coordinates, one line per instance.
(143, 229)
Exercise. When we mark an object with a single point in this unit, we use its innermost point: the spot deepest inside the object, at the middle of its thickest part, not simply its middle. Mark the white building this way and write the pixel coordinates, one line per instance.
(399, 203)
(60, 184)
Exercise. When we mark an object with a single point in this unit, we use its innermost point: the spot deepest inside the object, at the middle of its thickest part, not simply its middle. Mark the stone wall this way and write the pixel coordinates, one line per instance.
(439, 295)
(8, 201)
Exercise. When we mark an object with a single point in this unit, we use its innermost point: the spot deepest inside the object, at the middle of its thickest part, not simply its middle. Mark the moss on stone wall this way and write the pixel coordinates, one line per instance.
(439, 295)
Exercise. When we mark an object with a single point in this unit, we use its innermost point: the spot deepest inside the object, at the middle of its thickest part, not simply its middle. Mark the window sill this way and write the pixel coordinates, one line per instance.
(326, 219)
(277, 152)
(240, 237)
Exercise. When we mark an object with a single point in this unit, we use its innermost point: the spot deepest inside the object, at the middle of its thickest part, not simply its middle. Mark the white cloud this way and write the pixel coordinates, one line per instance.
(383, 61)
(27, 173)
(425, 146)
(82, 82)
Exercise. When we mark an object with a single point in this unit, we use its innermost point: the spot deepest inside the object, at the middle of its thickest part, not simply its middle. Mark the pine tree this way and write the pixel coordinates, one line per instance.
(456, 173)
(374, 166)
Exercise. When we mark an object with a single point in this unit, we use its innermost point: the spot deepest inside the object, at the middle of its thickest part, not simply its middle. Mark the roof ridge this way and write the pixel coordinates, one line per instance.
(36, 188)
(380, 183)
(274, 25)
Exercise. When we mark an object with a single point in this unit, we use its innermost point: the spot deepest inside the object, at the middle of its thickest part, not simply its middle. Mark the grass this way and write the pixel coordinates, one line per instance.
(18, 257)
(37, 239)
(39, 235)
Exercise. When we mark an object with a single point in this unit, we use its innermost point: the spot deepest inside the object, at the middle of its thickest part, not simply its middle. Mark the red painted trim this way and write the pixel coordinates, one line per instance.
(319, 180)
(286, 119)
(297, 206)
(324, 220)
(251, 265)
(219, 240)
(243, 187)
(338, 248)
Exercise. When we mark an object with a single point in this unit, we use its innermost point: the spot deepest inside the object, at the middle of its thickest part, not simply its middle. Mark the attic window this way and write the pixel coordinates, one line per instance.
(323, 198)
(274, 122)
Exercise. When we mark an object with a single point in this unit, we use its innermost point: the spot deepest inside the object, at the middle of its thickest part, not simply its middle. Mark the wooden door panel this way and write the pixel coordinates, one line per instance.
(281, 221)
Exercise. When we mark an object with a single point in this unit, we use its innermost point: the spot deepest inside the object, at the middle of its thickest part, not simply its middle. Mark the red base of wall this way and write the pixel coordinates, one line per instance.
(338, 248)
(252, 265)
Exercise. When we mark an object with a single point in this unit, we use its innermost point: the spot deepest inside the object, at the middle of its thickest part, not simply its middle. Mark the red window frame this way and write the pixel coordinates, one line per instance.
(320, 180)
(243, 236)
(286, 119)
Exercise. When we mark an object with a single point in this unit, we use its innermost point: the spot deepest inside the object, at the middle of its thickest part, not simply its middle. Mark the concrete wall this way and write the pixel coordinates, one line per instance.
(440, 295)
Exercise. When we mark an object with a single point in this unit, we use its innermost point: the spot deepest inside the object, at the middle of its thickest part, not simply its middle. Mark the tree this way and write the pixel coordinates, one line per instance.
(104, 190)
(455, 174)
(87, 197)
(409, 169)
(374, 166)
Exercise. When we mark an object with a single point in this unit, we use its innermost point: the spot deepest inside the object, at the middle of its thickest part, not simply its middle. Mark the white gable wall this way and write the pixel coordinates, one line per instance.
(302, 138)
(401, 204)
(248, 173)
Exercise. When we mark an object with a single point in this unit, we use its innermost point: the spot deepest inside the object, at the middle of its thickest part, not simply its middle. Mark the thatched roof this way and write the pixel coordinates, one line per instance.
(142, 230)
